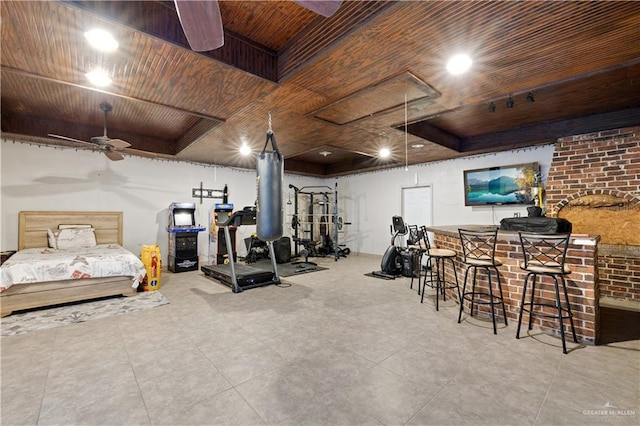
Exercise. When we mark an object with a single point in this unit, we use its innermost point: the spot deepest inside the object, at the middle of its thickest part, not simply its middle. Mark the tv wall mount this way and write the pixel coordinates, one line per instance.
(201, 193)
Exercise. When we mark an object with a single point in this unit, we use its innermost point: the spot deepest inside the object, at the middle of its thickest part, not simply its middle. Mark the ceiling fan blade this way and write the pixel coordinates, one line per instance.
(114, 156)
(201, 23)
(70, 139)
(147, 154)
(118, 143)
(321, 7)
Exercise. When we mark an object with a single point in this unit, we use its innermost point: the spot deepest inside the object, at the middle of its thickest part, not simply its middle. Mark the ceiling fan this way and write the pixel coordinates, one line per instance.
(103, 143)
(202, 24)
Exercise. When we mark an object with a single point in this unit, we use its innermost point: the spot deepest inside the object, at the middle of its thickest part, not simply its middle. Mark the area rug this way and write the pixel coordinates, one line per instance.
(41, 319)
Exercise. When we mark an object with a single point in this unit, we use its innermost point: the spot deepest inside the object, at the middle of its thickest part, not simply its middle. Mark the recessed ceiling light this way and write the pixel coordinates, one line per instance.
(417, 145)
(384, 153)
(101, 40)
(325, 153)
(98, 78)
(459, 64)
(245, 149)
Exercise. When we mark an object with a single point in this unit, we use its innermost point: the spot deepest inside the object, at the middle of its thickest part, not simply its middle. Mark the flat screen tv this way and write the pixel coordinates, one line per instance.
(501, 185)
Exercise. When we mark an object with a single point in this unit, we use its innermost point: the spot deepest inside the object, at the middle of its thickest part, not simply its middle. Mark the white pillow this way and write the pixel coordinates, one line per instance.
(51, 236)
(75, 238)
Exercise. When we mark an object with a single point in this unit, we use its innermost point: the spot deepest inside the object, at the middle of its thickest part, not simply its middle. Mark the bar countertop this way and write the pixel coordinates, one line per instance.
(452, 231)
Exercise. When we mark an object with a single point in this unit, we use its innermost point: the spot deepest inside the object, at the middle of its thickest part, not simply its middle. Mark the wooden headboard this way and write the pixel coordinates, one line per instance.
(32, 226)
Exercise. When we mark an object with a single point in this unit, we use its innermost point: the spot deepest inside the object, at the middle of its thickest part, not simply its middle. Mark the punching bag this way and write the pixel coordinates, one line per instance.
(269, 177)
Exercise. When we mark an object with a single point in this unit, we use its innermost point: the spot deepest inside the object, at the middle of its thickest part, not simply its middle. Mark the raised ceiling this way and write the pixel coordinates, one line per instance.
(341, 84)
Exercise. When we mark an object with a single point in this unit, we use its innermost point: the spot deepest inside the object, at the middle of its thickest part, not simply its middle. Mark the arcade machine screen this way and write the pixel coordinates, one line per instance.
(183, 218)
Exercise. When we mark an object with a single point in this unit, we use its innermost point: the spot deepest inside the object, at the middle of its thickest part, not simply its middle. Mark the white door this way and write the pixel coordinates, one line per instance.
(417, 206)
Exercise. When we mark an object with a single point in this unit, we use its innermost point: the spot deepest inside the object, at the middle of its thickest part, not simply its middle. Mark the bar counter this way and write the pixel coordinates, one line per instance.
(582, 283)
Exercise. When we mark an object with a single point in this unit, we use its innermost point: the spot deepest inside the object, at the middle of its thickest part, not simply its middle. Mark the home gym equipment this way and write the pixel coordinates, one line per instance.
(267, 215)
(242, 277)
(269, 176)
(183, 237)
(217, 240)
(392, 263)
(256, 249)
(316, 231)
(282, 249)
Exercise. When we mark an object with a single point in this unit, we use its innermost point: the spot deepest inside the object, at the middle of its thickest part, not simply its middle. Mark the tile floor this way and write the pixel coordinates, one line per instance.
(334, 348)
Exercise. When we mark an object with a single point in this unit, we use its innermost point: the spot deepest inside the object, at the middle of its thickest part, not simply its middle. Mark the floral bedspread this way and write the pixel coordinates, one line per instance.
(47, 264)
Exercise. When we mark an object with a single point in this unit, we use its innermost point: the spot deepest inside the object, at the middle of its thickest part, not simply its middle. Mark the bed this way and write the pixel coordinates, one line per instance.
(34, 237)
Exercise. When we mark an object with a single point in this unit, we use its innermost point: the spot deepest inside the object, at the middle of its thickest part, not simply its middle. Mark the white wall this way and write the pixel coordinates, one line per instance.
(44, 178)
(370, 200)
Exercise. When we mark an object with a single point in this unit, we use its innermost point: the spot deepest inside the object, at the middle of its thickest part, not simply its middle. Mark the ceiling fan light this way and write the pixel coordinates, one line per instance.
(98, 78)
(459, 64)
(101, 40)
(384, 153)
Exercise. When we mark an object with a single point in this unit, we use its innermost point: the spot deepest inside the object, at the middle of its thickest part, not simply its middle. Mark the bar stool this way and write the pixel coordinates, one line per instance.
(417, 249)
(440, 284)
(478, 248)
(545, 255)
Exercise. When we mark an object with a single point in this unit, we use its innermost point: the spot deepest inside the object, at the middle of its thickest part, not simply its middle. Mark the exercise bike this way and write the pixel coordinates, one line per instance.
(392, 263)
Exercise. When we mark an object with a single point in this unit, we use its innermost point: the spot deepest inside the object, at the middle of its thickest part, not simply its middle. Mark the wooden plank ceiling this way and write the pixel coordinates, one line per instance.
(335, 87)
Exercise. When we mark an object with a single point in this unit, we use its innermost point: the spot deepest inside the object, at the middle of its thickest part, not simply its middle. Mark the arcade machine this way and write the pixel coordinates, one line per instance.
(183, 237)
(237, 276)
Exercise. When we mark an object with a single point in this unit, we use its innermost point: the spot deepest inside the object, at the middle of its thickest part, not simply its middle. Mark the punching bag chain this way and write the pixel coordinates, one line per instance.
(271, 137)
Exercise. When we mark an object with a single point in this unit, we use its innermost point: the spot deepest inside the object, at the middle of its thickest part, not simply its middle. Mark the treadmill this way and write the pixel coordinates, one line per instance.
(242, 277)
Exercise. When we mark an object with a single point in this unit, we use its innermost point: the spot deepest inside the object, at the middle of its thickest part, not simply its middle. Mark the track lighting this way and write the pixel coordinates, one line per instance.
(510, 102)
(530, 98)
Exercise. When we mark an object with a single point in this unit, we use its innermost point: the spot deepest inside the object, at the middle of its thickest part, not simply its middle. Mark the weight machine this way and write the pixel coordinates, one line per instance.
(317, 231)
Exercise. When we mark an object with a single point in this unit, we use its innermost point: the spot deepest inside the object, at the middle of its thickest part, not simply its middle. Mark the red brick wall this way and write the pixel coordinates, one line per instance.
(597, 161)
(601, 163)
(619, 277)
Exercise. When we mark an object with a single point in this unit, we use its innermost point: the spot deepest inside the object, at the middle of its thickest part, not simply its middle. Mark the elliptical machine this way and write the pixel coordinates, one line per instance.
(392, 263)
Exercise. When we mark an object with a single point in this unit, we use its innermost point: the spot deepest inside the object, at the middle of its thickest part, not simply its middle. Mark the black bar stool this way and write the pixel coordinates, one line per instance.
(440, 284)
(545, 255)
(417, 249)
(479, 248)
